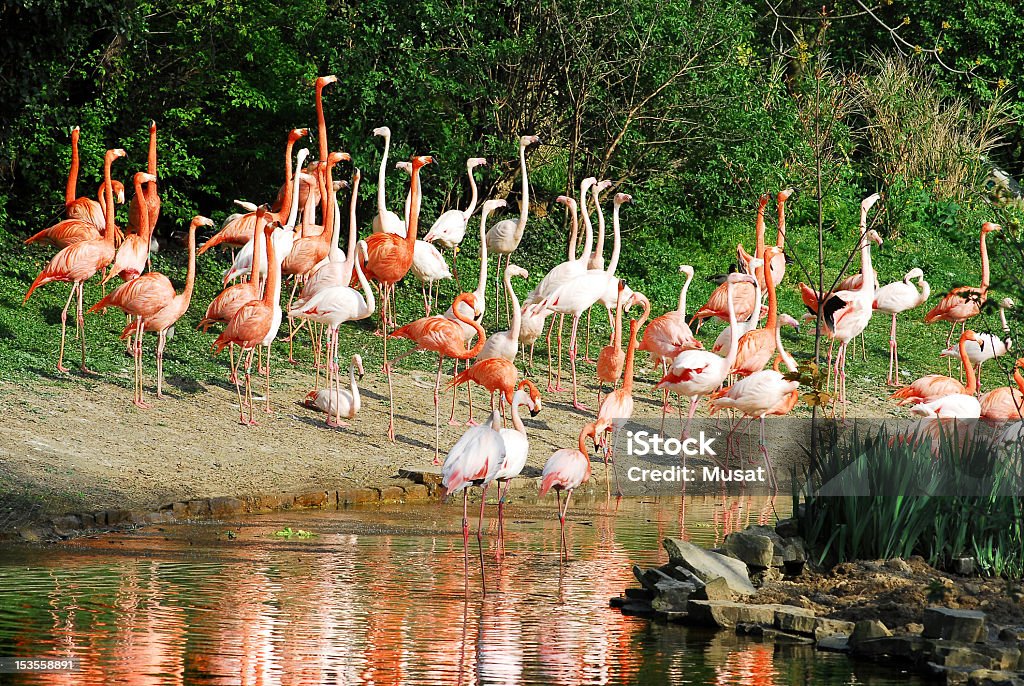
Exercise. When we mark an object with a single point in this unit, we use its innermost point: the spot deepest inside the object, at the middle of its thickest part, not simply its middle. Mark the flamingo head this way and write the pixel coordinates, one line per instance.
(421, 161)
(1019, 364)
(532, 399)
(1006, 304)
(300, 158)
(364, 250)
(586, 183)
(738, 277)
(200, 220)
(296, 134)
(915, 273)
(527, 141)
(516, 270)
(310, 399)
(569, 202)
(873, 237)
(988, 227)
(686, 269)
(356, 175)
(325, 80)
(143, 177)
(335, 157)
(783, 196)
(762, 202)
(474, 162)
(357, 364)
(338, 185)
(114, 154)
(772, 252)
(972, 336)
(75, 132)
(117, 189)
(621, 198)
(382, 131)
(404, 166)
(491, 205)
(789, 320)
(868, 202)
(601, 186)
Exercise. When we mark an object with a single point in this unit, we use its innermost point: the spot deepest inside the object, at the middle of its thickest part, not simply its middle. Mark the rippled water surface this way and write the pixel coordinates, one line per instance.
(379, 596)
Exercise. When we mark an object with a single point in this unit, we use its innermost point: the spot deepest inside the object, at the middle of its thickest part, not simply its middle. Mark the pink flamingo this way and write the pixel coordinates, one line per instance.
(566, 470)
(894, 298)
(517, 444)
(133, 254)
(474, 461)
(81, 261)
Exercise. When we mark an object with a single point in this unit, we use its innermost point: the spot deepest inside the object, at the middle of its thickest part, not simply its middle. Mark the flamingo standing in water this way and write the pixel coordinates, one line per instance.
(964, 302)
(474, 461)
(163, 321)
(79, 262)
(444, 337)
(450, 228)
(388, 260)
(894, 298)
(517, 444)
(255, 324)
(566, 470)
(504, 237)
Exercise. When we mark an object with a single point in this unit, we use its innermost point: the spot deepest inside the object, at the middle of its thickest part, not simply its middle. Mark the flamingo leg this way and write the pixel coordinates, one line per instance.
(235, 379)
(267, 390)
(561, 520)
(480, 538)
(139, 402)
(291, 322)
(551, 328)
(160, 344)
(501, 514)
(81, 327)
(469, 397)
(387, 371)
(437, 418)
(572, 357)
(455, 396)
(558, 378)
(64, 328)
(561, 524)
(586, 349)
(892, 378)
(465, 532)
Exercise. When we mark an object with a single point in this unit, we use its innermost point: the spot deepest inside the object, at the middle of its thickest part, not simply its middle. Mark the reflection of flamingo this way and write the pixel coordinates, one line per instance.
(442, 336)
(517, 445)
(79, 262)
(566, 470)
(474, 461)
(894, 298)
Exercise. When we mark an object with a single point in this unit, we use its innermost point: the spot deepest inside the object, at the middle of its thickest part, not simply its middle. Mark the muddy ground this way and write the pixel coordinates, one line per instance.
(78, 444)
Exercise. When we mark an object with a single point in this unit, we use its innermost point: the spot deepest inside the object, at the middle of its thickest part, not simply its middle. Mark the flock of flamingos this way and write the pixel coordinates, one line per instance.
(331, 286)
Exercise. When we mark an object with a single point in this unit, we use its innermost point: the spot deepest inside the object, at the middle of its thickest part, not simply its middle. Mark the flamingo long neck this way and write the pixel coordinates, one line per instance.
(517, 421)
(481, 284)
(984, 264)
(140, 197)
(381, 175)
(783, 354)
(972, 380)
(321, 123)
(734, 340)
(588, 241)
(327, 237)
(271, 295)
(257, 249)
(371, 302)
(588, 430)
(681, 308)
(634, 327)
(72, 185)
(599, 246)
(414, 210)
(190, 275)
(926, 290)
(1002, 319)
(480, 333)
(1018, 378)
(773, 303)
(613, 263)
(617, 330)
(780, 238)
(867, 284)
(151, 161)
(524, 207)
(517, 315)
(288, 169)
(353, 231)
(356, 400)
(759, 231)
(293, 199)
(473, 193)
(573, 236)
(111, 229)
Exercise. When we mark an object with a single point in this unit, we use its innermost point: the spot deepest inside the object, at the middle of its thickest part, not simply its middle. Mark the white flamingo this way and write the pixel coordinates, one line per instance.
(506, 343)
(894, 298)
(339, 402)
(385, 221)
(450, 228)
(990, 345)
(517, 444)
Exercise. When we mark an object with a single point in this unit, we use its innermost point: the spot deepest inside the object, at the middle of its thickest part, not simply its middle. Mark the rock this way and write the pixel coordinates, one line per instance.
(988, 677)
(799, 601)
(765, 576)
(392, 494)
(840, 643)
(898, 565)
(708, 565)
(680, 573)
(417, 492)
(64, 525)
(823, 628)
(963, 566)
(616, 601)
(636, 608)
(223, 506)
(650, 578)
(788, 528)
(1014, 633)
(950, 676)
(956, 654)
(967, 626)
(640, 594)
(913, 628)
(716, 589)
(727, 615)
(673, 596)
(1003, 656)
(905, 647)
(867, 629)
(753, 549)
(795, 620)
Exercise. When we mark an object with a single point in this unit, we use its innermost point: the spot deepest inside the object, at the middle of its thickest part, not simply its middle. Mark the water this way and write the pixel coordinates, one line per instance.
(379, 596)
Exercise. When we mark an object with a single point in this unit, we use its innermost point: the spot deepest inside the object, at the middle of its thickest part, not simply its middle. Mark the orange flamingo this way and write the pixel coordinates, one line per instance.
(75, 229)
(964, 302)
(440, 335)
(255, 324)
(612, 357)
(142, 297)
(161, 322)
(744, 301)
(151, 198)
(496, 374)
(388, 260)
(1005, 403)
(778, 263)
(566, 470)
(77, 263)
(133, 254)
(756, 347)
(237, 231)
(935, 386)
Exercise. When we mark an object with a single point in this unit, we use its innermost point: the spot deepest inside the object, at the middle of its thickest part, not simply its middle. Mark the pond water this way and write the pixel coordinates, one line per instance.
(379, 596)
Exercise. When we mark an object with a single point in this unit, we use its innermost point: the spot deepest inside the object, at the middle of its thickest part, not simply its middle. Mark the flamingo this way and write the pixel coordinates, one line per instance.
(337, 402)
(450, 228)
(612, 357)
(388, 260)
(237, 230)
(133, 254)
(744, 302)
(474, 461)
(504, 237)
(596, 260)
(517, 444)
(151, 198)
(617, 408)
(531, 326)
(964, 302)
(385, 221)
(957, 405)
(894, 298)
(78, 262)
(765, 391)
(757, 346)
(668, 335)
(566, 470)
(505, 344)
(255, 324)
(440, 335)
(164, 320)
(994, 345)
(75, 229)
(778, 263)
(695, 373)
(936, 386)
(1005, 403)
(333, 307)
(496, 374)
